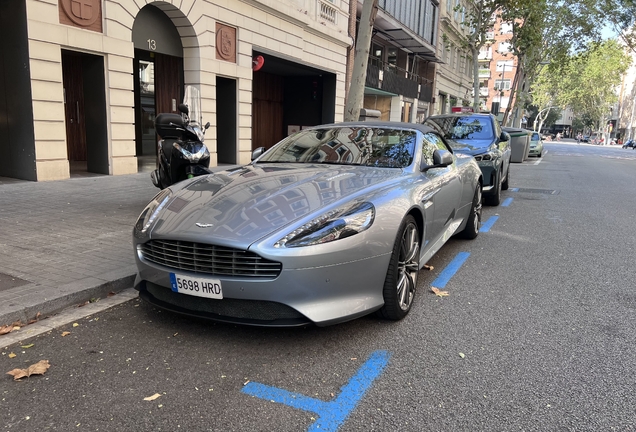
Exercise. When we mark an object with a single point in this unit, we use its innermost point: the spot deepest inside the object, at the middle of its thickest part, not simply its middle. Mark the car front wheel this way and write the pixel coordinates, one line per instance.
(506, 183)
(495, 198)
(471, 230)
(401, 276)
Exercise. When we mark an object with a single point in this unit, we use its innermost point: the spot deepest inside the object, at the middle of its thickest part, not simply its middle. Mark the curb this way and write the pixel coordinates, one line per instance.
(55, 305)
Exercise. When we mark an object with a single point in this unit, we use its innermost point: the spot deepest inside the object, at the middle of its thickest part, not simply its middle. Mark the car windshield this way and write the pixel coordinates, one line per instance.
(370, 146)
(465, 127)
(535, 137)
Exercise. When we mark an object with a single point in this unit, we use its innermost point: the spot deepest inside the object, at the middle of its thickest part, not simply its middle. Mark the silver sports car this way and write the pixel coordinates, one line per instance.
(332, 223)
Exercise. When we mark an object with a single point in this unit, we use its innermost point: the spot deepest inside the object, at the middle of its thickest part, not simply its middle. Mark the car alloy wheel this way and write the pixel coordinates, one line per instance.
(471, 230)
(506, 183)
(495, 198)
(401, 276)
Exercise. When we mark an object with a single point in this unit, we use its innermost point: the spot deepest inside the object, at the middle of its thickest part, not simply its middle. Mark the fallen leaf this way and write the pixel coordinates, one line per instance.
(27, 346)
(6, 329)
(153, 397)
(75, 325)
(12, 355)
(82, 304)
(462, 355)
(428, 267)
(110, 294)
(66, 333)
(35, 369)
(439, 292)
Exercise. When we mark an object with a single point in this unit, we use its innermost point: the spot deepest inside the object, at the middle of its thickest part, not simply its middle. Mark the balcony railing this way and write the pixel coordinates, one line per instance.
(385, 76)
(484, 73)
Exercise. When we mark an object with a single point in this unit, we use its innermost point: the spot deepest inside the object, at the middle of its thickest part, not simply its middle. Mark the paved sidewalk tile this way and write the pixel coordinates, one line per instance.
(66, 241)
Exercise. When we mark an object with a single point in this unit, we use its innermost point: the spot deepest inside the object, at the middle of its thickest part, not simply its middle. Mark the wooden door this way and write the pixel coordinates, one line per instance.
(72, 77)
(168, 82)
(267, 110)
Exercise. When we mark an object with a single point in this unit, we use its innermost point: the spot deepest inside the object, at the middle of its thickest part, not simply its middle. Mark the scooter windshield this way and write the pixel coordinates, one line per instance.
(192, 99)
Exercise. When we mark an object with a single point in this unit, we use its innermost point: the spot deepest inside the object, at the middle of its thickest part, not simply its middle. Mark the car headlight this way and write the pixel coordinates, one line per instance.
(193, 157)
(486, 157)
(149, 214)
(334, 225)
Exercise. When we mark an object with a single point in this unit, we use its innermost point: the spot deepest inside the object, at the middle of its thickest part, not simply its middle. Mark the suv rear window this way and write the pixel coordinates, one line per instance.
(465, 128)
(535, 137)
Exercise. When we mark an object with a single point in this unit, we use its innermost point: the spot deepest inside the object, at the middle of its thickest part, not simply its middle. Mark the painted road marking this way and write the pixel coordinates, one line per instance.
(331, 415)
(514, 189)
(506, 202)
(485, 227)
(450, 270)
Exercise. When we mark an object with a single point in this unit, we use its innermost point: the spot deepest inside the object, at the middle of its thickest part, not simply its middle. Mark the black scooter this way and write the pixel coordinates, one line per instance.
(181, 151)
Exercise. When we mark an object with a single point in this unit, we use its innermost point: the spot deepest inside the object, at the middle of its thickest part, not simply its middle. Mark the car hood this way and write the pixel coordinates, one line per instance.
(240, 206)
(471, 147)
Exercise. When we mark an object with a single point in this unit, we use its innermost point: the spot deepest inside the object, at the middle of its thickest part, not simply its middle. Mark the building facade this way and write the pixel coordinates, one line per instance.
(401, 69)
(454, 74)
(83, 79)
(497, 68)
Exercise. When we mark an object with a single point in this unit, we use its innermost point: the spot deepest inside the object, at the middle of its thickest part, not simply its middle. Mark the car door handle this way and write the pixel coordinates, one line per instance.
(430, 195)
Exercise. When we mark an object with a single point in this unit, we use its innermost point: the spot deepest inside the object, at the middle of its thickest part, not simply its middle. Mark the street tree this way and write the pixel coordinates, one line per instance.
(355, 95)
(586, 82)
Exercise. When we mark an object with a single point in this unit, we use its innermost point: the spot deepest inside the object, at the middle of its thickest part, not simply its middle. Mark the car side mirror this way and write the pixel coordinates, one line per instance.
(505, 136)
(184, 108)
(258, 152)
(441, 159)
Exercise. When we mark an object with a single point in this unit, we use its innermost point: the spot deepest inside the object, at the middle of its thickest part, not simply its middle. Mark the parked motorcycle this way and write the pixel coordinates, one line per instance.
(181, 151)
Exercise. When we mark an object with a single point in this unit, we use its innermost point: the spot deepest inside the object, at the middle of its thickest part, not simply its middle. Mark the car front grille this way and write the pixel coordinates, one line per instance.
(208, 259)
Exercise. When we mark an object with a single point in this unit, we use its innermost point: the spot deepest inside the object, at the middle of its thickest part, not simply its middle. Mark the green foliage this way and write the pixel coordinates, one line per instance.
(586, 82)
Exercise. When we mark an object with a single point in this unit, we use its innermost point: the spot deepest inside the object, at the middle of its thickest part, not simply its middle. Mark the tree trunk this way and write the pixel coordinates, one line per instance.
(476, 93)
(363, 43)
(352, 49)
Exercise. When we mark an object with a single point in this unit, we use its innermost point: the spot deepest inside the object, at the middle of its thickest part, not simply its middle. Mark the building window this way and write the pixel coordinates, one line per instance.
(505, 28)
(504, 65)
(502, 84)
(504, 47)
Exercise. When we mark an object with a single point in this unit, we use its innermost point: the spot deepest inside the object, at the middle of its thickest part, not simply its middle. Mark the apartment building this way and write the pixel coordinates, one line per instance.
(401, 69)
(497, 68)
(82, 80)
(454, 73)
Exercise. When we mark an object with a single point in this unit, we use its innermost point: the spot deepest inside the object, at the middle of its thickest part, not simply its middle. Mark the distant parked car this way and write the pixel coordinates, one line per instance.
(481, 136)
(629, 144)
(536, 145)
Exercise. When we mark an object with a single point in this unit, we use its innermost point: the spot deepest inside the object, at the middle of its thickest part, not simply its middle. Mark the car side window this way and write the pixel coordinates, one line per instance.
(428, 148)
(431, 143)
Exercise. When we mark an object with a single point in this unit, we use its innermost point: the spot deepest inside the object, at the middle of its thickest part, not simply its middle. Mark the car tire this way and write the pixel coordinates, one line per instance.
(471, 230)
(506, 184)
(495, 198)
(540, 154)
(401, 276)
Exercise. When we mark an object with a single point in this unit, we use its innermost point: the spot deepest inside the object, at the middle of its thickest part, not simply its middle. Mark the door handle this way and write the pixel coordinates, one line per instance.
(77, 104)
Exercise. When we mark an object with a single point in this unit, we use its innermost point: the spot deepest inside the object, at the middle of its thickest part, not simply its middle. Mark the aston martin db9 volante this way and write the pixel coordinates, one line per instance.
(332, 223)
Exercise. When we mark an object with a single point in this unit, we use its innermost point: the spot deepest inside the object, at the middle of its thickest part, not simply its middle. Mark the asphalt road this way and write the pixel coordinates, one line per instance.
(537, 333)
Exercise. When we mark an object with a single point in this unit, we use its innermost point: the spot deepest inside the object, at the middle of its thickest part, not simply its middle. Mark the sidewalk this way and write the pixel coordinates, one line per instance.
(66, 242)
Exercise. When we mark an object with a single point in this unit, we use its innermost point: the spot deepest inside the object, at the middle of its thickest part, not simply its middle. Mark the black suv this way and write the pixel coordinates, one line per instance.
(481, 136)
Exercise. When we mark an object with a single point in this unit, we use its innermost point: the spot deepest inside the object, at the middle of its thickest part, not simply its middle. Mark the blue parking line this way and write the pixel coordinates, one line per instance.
(506, 202)
(485, 227)
(450, 270)
(331, 415)
(514, 189)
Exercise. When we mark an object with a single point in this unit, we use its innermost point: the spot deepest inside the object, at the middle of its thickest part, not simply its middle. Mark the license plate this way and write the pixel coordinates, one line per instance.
(196, 286)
